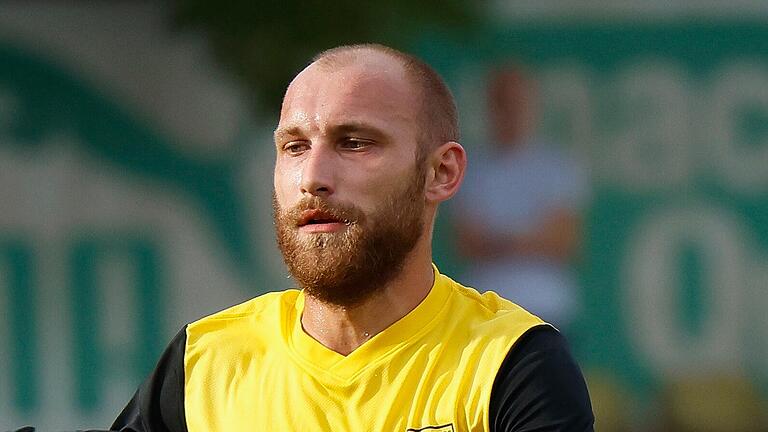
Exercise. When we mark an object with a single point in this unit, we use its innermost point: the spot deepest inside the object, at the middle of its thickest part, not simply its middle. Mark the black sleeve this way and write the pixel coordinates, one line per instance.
(158, 405)
(540, 388)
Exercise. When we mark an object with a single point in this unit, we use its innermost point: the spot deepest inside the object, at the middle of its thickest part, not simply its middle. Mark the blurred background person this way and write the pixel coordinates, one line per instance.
(519, 215)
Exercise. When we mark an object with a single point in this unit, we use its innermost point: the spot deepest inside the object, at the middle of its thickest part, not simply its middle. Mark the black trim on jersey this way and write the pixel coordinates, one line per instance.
(539, 387)
(429, 428)
(158, 405)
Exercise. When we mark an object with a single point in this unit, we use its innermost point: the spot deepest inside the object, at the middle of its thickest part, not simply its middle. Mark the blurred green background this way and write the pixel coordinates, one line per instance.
(135, 181)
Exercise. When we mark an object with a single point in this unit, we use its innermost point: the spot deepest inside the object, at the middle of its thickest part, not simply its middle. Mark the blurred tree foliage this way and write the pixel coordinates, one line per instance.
(265, 43)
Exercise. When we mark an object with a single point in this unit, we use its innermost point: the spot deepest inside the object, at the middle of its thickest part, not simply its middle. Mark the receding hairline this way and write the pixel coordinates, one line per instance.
(437, 103)
(343, 55)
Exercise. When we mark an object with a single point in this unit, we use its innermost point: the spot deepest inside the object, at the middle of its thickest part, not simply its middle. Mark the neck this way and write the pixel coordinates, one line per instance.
(344, 329)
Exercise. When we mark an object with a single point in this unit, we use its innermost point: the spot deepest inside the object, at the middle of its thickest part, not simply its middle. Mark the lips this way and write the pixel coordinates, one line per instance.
(315, 216)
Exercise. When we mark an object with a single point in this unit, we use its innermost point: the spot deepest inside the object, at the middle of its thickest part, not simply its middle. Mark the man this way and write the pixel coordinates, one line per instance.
(523, 246)
(377, 339)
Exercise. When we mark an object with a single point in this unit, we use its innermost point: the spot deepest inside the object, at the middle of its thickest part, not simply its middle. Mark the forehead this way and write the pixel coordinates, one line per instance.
(374, 90)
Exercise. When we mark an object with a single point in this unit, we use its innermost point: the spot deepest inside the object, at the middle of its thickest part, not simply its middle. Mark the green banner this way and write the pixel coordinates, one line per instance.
(673, 120)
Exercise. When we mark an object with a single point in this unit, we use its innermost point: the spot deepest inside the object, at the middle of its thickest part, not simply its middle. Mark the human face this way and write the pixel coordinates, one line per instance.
(349, 193)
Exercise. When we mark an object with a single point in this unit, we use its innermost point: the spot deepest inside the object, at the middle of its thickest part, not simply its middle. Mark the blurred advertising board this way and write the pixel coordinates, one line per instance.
(670, 118)
(129, 171)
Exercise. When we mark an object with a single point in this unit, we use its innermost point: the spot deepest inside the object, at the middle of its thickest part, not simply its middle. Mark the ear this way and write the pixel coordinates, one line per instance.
(447, 165)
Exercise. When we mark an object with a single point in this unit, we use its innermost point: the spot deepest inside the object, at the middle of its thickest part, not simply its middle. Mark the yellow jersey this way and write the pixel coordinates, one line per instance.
(252, 367)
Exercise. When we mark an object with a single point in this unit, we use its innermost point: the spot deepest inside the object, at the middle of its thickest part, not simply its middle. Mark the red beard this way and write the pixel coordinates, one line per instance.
(347, 267)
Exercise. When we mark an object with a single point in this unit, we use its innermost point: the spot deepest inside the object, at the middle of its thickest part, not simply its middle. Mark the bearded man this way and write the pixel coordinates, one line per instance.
(376, 339)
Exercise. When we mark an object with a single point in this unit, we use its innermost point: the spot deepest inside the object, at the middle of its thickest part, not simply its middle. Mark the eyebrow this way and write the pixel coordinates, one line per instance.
(350, 127)
(286, 131)
(340, 129)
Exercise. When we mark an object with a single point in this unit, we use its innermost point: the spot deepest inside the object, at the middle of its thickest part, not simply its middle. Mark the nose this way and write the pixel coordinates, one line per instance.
(318, 172)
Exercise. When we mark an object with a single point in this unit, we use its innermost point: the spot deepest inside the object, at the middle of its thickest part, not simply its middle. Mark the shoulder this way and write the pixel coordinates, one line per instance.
(489, 312)
(544, 344)
(539, 373)
(487, 323)
(242, 319)
(255, 306)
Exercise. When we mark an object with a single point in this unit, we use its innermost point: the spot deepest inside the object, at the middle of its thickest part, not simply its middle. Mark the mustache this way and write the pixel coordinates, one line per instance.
(340, 211)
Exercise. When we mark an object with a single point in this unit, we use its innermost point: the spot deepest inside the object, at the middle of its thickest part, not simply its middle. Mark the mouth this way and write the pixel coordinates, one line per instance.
(320, 221)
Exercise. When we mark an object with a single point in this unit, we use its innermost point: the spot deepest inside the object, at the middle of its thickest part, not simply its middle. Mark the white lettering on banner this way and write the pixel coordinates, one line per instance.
(653, 128)
(63, 206)
(103, 238)
(743, 165)
(653, 140)
(652, 291)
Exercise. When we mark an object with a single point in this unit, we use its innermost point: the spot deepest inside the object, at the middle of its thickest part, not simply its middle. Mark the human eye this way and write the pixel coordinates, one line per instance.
(295, 148)
(355, 143)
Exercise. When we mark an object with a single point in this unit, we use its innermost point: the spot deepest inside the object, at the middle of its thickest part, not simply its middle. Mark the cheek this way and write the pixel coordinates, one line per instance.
(289, 172)
(373, 191)
(287, 180)
(284, 187)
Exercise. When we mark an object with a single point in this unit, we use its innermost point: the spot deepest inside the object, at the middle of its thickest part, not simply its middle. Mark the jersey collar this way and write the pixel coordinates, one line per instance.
(319, 359)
